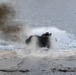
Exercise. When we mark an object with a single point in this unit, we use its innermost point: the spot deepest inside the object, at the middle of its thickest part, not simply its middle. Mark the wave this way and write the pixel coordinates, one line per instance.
(62, 43)
(60, 39)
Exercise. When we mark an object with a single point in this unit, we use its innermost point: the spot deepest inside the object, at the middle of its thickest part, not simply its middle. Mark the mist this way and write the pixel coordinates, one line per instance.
(11, 28)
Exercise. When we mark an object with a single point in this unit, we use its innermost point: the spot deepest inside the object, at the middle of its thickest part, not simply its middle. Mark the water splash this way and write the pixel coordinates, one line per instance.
(60, 39)
(61, 42)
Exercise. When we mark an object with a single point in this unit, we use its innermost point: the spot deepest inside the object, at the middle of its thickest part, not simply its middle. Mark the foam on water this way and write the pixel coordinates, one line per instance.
(61, 43)
(60, 39)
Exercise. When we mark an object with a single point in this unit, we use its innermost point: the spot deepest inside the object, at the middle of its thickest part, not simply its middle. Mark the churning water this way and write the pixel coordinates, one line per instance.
(61, 43)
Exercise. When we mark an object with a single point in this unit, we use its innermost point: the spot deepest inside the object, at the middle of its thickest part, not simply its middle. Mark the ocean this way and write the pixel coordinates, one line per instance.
(54, 16)
(40, 16)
